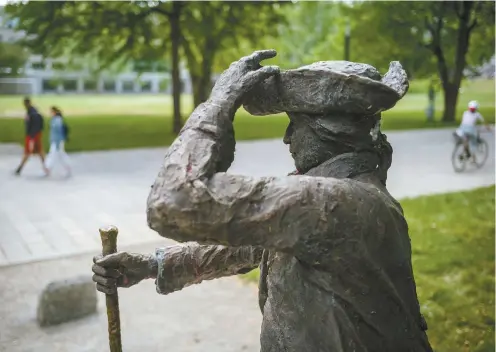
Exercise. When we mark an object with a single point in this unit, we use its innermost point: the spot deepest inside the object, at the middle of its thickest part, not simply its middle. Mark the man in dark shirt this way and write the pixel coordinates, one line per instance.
(32, 141)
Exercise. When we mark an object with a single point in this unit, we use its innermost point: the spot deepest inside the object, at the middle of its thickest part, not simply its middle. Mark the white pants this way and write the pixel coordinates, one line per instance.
(57, 154)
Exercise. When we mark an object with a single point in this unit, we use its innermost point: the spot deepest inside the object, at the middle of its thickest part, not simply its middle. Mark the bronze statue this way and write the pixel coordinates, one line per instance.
(331, 242)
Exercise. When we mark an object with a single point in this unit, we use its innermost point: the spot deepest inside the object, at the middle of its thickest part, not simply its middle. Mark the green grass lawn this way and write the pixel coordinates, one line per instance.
(453, 259)
(100, 122)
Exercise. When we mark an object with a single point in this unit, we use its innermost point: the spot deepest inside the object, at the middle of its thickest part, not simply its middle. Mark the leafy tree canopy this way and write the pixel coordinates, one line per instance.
(429, 38)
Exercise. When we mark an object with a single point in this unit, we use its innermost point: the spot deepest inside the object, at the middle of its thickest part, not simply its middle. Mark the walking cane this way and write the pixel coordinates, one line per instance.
(109, 246)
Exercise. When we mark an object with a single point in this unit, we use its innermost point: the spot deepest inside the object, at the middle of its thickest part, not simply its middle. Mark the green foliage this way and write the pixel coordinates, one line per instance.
(106, 33)
(12, 59)
(312, 31)
(453, 261)
(223, 31)
(454, 264)
(434, 37)
(215, 33)
(405, 34)
(301, 32)
(109, 31)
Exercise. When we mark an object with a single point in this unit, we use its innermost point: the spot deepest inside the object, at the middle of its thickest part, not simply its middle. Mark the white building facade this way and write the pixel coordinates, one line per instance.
(41, 75)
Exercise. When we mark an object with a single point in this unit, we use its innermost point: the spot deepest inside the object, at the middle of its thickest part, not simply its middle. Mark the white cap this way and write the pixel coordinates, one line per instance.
(473, 105)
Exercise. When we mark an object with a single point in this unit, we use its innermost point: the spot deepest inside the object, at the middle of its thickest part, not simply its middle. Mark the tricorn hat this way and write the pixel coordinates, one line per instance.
(329, 86)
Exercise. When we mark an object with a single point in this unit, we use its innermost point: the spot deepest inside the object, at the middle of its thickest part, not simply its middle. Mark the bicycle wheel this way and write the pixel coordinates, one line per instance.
(481, 153)
(459, 158)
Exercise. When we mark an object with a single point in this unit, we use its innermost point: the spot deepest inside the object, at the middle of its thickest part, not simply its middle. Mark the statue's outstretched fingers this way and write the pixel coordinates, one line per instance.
(259, 56)
(253, 77)
(269, 70)
(263, 72)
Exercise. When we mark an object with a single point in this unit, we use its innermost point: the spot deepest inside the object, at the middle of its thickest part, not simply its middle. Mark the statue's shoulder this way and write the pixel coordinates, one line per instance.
(371, 188)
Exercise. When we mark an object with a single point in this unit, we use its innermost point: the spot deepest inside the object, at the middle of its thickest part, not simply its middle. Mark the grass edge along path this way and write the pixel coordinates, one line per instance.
(453, 245)
(121, 121)
(107, 132)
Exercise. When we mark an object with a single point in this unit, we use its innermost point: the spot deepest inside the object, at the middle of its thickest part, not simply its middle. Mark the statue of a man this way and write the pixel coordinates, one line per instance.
(332, 243)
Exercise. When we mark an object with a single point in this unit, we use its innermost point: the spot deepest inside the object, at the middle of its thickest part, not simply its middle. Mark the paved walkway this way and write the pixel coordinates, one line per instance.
(47, 218)
(217, 316)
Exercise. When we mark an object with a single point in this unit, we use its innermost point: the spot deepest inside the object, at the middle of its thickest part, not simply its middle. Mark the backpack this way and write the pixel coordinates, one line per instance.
(39, 117)
(65, 129)
(42, 121)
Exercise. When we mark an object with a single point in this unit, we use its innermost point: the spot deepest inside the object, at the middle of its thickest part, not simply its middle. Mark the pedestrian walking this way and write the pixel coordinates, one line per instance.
(58, 137)
(33, 140)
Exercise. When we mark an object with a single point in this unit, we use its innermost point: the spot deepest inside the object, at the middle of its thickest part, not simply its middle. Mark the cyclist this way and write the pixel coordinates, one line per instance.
(468, 127)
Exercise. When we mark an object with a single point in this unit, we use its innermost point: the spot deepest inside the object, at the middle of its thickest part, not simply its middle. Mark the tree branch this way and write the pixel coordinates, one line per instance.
(190, 56)
(472, 25)
(435, 46)
(457, 8)
(161, 11)
(475, 22)
(463, 39)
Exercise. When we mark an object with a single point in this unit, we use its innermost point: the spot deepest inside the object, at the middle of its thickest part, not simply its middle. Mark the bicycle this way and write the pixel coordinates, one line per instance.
(460, 157)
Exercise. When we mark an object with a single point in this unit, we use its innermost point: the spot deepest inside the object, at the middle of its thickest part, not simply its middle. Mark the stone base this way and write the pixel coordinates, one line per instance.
(67, 300)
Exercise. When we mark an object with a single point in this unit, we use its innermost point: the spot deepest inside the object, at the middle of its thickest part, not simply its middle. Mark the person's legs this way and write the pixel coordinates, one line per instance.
(24, 159)
(64, 158)
(469, 140)
(473, 146)
(45, 169)
(38, 147)
(50, 158)
(28, 148)
(466, 146)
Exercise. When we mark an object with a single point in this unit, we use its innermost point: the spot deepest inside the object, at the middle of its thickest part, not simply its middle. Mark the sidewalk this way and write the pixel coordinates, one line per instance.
(48, 218)
(216, 316)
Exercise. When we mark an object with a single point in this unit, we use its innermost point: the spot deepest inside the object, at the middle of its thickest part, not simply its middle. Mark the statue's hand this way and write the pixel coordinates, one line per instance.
(243, 75)
(122, 269)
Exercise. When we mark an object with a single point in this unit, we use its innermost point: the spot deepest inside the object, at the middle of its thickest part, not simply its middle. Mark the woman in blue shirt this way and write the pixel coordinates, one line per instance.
(57, 140)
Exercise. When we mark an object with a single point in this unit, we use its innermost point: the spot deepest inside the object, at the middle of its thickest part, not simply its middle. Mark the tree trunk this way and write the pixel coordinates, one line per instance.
(452, 88)
(200, 69)
(176, 80)
(202, 85)
(450, 101)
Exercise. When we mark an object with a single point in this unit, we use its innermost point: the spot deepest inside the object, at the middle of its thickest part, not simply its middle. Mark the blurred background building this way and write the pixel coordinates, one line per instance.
(41, 75)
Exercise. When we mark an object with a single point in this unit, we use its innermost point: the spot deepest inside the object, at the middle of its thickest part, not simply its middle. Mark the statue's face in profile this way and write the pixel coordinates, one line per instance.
(307, 148)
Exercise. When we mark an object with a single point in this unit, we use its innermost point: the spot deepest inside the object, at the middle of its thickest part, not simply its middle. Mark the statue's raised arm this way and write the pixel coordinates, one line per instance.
(193, 199)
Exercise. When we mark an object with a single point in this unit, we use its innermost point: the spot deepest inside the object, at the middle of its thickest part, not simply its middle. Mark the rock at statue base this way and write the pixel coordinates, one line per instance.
(66, 300)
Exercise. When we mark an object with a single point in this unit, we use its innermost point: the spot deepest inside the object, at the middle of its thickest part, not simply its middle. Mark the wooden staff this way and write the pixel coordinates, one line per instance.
(109, 246)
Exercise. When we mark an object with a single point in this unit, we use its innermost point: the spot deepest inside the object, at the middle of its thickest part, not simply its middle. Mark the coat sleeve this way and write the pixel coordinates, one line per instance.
(186, 264)
(193, 199)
